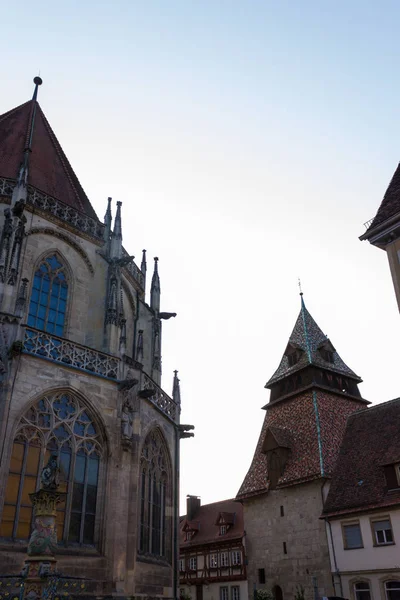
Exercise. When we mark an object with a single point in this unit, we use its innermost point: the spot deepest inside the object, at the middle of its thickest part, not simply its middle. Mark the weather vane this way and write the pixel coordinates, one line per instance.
(299, 284)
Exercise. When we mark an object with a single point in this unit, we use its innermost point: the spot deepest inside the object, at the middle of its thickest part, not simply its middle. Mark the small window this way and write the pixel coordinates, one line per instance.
(392, 589)
(261, 575)
(284, 548)
(224, 559)
(282, 512)
(382, 532)
(327, 355)
(193, 563)
(189, 535)
(236, 558)
(182, 564)
(362, 591)
(213, 561)
(235, 592)
(352, 536)
(223, 593)
(222, 530)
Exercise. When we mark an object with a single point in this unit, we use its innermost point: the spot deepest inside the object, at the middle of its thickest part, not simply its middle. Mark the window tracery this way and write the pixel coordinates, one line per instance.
(47, 307)
(154, 497)
(56, 423)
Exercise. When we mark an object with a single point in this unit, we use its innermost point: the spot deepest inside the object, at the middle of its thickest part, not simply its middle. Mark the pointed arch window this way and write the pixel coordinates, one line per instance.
(155, 489)
(58, 423)
(47, 307)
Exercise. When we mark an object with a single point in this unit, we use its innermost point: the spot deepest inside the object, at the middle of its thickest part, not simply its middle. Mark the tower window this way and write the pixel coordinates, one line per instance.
(261, 575)
(47, 307)
(327, 355)
(282, 512)
(284, 548)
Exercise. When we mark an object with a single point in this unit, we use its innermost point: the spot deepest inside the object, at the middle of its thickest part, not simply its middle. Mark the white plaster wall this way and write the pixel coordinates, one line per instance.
(211, 591)
(370, 557)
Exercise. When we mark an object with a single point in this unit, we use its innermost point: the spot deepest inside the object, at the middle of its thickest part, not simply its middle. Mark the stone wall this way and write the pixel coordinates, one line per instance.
(302, 532)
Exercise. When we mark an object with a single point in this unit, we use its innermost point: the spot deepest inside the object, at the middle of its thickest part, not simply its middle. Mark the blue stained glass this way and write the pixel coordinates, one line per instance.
(34, 308)
(40, 324)
(35, 295)
(65, 461)
(31, 321)
(53, 302)
(85, 417)
(52, 316)
(46, 284)
(61, 306)
(42, 269)
(59, 330)
(60, 318)
(93, 471)
(79, 475)
(79, 429)
(37, 280)
(44, 298)
(42, 312)
(55, 289)
(91, 430)
(64, 292)
(53, 262)
(61, 433)
(50, 327)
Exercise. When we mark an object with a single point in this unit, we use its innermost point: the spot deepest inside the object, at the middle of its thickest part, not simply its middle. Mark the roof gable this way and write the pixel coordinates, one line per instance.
(49, 169)
(390, 205)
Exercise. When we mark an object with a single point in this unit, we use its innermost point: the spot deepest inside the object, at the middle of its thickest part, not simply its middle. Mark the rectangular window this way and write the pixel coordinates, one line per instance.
(284, 548)
(213, 561)
(352, 536)
(224, 559)
(223, 593)
(181, 564)
(235, 592)
(282, 512)
(261, 575)
(222, 530)
(236, 558)
(189, 535)
(193, 563)
(362, 591)
(392, 589)
(382, 532)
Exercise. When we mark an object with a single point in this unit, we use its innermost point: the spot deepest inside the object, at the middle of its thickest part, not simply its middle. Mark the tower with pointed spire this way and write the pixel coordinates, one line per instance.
(312, 392)
(80, 372)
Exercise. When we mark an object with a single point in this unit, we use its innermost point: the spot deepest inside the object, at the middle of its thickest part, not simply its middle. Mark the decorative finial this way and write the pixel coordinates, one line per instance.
(299, 284)
(37, 81)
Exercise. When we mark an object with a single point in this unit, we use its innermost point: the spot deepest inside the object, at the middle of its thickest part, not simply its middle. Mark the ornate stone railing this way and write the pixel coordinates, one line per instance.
(6, 186)
(160, 398)
(136, 273)
(69, 353)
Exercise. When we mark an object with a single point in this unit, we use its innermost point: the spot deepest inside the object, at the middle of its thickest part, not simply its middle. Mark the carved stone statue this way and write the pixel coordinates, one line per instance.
(51, 474)
(127, 420)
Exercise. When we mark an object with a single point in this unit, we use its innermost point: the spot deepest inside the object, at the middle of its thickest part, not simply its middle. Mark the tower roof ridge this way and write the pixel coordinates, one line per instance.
(308, 338)
(17, 135)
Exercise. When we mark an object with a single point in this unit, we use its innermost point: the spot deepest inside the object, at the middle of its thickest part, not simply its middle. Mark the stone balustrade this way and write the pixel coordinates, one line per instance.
(160, 398)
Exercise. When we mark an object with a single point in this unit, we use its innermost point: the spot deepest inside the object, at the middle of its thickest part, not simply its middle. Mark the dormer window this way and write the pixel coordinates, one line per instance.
(293, 355)
(222, 529)
(327, 352)
(392, 476)
(189, 536)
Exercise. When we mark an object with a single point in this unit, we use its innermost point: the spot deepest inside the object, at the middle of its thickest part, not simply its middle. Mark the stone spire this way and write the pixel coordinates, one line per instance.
(155, 290)
(143, 268)
(176, 389)
(108, 222)
(116, 236)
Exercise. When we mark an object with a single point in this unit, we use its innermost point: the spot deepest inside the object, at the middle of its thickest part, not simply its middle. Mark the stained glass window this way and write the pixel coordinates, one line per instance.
(154, 491)
(61, 424)
(47, 306)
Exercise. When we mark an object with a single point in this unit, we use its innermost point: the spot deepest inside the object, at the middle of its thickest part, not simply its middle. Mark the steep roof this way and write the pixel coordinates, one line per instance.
(49, 169)
(390, 205)
(371, 441)
(204, 523)
(311, 425)
(307, 337)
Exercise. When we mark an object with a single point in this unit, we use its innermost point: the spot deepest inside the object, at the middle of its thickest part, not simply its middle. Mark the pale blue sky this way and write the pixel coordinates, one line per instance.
(248, 141)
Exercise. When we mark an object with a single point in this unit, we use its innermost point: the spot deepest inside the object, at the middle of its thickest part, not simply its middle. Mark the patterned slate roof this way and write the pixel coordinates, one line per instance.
(390, 204)
(371, 441)
(313, 423)
(308, 338)
(49, 169)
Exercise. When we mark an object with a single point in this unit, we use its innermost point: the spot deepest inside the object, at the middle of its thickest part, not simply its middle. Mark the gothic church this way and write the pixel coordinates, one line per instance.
(80, 364)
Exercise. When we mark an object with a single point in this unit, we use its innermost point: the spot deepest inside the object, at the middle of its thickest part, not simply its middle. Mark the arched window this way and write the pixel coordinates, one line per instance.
(392, 590)
(56, 423)
(362, 590)
(154, 497)
(47, 306)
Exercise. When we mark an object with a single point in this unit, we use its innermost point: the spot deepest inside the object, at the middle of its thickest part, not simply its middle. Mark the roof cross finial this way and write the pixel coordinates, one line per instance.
(37, 81)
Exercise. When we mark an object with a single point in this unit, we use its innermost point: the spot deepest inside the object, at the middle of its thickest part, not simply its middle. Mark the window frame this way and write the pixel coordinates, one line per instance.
(222, 556)
(223, 529)
(192, 561)
(223, 592)
(69, 296)
(349, 524)
(43, 437)
(213, 560)
(376, 519)
(234, 555)
(364, 582)
(235, 587)
(384, 584)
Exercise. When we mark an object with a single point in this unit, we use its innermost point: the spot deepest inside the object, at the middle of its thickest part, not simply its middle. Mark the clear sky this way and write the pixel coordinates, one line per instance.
(248, 141)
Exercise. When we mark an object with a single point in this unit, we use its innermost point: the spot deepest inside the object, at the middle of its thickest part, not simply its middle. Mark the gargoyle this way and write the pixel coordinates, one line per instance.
(127, 384)
(166, 315)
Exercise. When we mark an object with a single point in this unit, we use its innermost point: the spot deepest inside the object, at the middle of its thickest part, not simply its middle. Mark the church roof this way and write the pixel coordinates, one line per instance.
(371, 444)
(205, 524)
(390, 205)
(49, 169)
(308, 339)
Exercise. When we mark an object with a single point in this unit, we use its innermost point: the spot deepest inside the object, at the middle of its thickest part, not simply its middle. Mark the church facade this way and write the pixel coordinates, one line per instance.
(80, 371)
(313, 392)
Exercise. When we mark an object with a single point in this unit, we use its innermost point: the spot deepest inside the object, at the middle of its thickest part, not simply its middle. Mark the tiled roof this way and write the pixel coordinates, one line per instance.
(312, 424)
(208, 531)
(308, 338)
(390, 204)
(49, 169)
(371, 441)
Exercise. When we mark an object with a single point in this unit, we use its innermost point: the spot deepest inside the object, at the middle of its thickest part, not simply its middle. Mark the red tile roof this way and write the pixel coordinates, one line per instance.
(294, 422)
(205, 519)
(49, 169)
(390, 205)
(371, 441)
